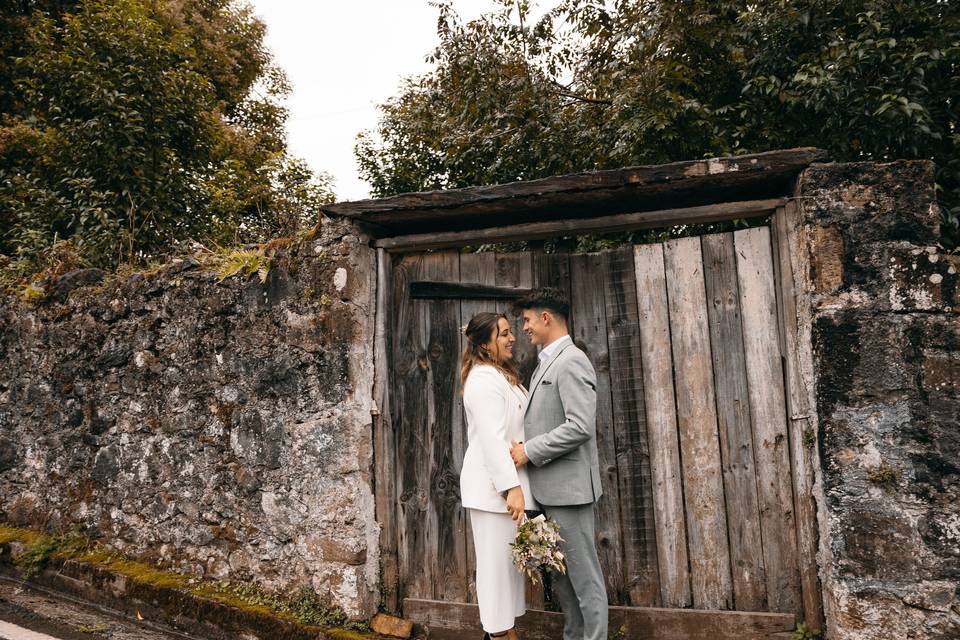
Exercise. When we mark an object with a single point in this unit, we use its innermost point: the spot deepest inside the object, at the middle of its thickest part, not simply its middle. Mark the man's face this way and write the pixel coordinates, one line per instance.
(536, 325)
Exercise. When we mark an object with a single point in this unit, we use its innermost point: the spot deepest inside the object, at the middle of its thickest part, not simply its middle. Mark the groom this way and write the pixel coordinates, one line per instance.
(561, 445)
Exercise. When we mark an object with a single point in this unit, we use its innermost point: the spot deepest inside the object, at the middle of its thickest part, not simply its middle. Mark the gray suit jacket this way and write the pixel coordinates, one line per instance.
(560, 426)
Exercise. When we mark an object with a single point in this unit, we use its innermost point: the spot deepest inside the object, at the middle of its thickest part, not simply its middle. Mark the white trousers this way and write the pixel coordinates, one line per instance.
(500, 585)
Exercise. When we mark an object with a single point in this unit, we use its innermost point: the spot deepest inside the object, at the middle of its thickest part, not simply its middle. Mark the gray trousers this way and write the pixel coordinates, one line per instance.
(581, 592)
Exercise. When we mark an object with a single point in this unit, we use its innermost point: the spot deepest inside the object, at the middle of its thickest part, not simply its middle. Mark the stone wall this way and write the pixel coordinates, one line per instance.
(885, 335)
(221, 429)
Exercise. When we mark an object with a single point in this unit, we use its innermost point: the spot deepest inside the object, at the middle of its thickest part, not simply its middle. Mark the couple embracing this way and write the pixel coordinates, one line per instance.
(532, 450)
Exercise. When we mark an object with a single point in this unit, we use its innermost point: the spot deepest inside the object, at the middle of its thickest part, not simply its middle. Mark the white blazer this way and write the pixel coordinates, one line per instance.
(494, 410)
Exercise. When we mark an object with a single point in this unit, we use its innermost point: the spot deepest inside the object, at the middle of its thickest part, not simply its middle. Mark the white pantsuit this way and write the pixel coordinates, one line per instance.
(494, 410)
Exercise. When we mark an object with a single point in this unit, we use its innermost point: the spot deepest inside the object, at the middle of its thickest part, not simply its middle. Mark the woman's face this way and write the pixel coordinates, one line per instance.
(501, 342)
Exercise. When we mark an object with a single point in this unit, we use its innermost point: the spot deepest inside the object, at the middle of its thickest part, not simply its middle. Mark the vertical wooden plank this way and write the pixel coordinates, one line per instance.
(733, 415)
(696, 414)
(412, 382)
(549, 270)
(478, 268)
(384, 447)
(553, 270)
(642, 584)
(768, 415)
(442, 355)
(587, 306)
(803, 451)
(516, 270)
(657, 366)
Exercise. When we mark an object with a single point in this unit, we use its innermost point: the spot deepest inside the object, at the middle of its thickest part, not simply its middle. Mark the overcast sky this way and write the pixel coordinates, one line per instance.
(343, 58)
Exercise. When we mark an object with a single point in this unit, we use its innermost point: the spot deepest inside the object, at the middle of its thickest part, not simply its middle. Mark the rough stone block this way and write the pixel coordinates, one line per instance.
(878, 201)
(870, 545)
(889, 276)
(391, 626)
(863, 356)
(866, 610)
(826, 259)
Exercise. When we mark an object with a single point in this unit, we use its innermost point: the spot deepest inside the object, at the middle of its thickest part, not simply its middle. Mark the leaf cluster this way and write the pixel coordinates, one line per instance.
(131, 127)
(595, 84)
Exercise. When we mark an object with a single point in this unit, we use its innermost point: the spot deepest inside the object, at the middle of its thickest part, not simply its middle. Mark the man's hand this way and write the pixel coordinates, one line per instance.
(515, 503)
(518, 453)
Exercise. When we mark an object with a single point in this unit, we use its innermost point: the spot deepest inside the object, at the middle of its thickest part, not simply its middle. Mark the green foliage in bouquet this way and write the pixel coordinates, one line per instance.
(537, 547)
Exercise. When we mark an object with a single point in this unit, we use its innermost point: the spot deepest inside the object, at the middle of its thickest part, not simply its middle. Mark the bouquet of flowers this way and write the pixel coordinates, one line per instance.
(537, 546)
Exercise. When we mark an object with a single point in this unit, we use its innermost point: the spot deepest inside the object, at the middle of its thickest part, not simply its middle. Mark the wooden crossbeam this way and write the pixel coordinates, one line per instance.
(423, 289)
(603, 224)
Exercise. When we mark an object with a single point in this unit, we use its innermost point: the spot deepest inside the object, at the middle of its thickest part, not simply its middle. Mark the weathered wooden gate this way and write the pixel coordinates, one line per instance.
(706, 528)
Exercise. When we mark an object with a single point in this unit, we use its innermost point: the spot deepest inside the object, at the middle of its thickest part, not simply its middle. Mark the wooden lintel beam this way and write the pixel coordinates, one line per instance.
(464, 290)
(580, 189)
(603, 224)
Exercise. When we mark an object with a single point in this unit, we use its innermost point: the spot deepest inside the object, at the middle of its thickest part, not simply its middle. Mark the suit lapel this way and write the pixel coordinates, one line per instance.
(541, 371)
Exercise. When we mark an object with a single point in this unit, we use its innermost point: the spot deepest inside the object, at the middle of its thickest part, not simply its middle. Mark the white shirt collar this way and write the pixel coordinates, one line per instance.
(551, 349)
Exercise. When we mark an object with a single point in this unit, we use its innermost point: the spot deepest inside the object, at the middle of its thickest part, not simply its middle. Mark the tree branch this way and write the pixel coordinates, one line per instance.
(574, 96)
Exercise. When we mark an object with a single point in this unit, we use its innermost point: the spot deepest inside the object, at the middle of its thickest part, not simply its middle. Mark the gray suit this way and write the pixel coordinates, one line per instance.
(560, 427)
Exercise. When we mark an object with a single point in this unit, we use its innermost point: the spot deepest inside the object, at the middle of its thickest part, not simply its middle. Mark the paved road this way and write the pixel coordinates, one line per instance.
(10, 631)
(26, 614)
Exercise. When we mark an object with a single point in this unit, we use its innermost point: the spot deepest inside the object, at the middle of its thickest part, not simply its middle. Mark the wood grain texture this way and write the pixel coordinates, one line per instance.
(686, 338)
(578, 225)
(733, 415)
(480, 268)
(465, 289)
(553, 270)
(688, 183)
(768, 415)
(589, 311)
(516, 270)
(447, 621)
(446, 429)
(697, 419)
(801, 422)
(550, 270)
(638, 529)
(417, 525)
(661, 419)
(384, 480)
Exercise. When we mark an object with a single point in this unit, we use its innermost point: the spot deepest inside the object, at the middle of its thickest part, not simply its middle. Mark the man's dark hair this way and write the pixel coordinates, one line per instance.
(549, 298)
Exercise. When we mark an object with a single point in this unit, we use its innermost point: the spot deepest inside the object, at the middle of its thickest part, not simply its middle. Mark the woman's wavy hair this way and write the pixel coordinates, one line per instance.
(479, 331)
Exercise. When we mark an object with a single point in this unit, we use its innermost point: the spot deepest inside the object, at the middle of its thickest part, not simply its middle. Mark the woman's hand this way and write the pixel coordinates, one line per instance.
(515, 503)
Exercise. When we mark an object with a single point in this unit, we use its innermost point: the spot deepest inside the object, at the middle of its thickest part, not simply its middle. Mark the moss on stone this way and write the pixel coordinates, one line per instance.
(240, 601)
(885, 476)
(139, 571)
(302, 608)
(14, 534)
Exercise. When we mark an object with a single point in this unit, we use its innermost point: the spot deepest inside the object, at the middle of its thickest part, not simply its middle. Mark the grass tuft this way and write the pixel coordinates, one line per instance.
(803, 632)
(886, 476)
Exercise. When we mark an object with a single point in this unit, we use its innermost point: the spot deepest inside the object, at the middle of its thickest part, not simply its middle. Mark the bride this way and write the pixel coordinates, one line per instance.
(491, 487)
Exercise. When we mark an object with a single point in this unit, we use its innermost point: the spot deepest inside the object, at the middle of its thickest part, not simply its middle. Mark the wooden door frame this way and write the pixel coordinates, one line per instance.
(787, 250)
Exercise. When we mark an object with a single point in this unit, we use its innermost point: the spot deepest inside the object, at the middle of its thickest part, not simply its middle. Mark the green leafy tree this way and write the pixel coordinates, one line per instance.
(594, 84)
(129, 126)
